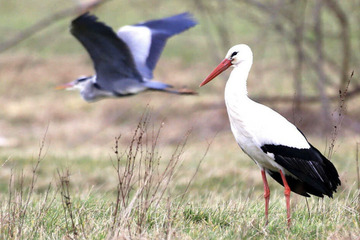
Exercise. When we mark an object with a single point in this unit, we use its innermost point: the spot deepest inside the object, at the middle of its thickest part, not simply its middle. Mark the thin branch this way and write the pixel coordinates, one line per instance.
(67, 203)
(341, 109)
(24, 207)
(46, 22)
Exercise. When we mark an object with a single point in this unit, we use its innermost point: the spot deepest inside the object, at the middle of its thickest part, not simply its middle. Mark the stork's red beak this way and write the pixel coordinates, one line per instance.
(225, 64)
(65, 86)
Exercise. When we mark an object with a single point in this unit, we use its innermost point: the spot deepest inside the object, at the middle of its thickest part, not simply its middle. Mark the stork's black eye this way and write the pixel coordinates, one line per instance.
(233, 54)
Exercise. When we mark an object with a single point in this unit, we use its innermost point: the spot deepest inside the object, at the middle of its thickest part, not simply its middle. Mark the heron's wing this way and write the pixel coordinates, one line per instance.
(146, 40)
(111, 56)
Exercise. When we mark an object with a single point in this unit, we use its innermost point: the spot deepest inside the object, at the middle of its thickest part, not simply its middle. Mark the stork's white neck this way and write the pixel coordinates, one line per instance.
(236, 87)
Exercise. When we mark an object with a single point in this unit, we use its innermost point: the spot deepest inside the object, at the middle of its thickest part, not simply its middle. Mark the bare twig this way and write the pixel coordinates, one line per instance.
(117, 168)
(8, 159)
(192, 178)
(341, 109)
(11, 217)
(20, 195)
(24, 207)
(46, 22)
(284, 20)
(125, 175)
(44, 208)
(142, 183)
(66, 202)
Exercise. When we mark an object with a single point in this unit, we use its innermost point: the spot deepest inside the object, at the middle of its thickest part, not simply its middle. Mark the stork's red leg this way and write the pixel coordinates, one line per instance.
(287, 196)
(266, 195)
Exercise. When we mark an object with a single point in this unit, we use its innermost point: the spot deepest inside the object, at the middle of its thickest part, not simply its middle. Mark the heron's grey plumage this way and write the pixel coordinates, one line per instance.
(124, 63)
(147, 40)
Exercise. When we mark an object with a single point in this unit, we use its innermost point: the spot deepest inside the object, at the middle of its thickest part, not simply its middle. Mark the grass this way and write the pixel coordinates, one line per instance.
(74, 191)
(81, 199)
(211, 218)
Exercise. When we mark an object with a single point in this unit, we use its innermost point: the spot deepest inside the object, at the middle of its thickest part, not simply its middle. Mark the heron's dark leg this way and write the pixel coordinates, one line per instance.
(287, 197)
(266, 195)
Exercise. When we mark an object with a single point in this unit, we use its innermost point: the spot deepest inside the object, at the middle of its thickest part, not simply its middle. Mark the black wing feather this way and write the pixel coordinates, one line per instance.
(110, 55)
(315, 173)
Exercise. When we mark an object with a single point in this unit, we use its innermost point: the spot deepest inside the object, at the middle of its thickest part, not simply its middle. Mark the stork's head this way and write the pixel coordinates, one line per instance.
(79, 84)
(236, 56)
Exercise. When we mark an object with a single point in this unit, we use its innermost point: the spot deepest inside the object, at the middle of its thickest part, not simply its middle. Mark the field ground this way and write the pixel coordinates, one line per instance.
(224, 199)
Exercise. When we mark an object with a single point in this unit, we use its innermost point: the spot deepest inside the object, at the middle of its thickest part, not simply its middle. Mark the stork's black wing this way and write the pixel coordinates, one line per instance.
(314, 173)
(110, 55)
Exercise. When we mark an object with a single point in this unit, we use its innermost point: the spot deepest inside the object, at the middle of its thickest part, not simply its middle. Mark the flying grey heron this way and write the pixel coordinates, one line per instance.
(124, 62)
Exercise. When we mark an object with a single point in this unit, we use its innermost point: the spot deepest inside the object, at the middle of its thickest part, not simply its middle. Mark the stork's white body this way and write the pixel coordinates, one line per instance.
(274, 143)
(255, 125)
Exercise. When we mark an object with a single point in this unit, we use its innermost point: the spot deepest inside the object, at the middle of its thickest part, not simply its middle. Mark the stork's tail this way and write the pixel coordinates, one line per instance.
(159, 86)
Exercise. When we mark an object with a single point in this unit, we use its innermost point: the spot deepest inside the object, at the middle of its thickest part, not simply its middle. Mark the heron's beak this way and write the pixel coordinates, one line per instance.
(225, 64)
(65, 86)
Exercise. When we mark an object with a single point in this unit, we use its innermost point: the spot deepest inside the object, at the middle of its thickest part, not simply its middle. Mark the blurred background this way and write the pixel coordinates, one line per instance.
(304, 55)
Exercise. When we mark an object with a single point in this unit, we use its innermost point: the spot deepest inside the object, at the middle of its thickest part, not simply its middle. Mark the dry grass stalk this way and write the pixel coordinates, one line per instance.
(20, 197)
(67, 204)
(143, 180)
(341, 109)
(32, 184)
(45, 206)
(171, 217)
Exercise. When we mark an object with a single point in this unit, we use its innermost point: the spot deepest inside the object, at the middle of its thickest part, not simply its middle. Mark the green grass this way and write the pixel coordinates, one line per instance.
(221, 203)
(208, 219)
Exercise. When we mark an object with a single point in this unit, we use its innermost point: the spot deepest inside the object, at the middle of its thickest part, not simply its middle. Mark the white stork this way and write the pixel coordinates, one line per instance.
(272, 142)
